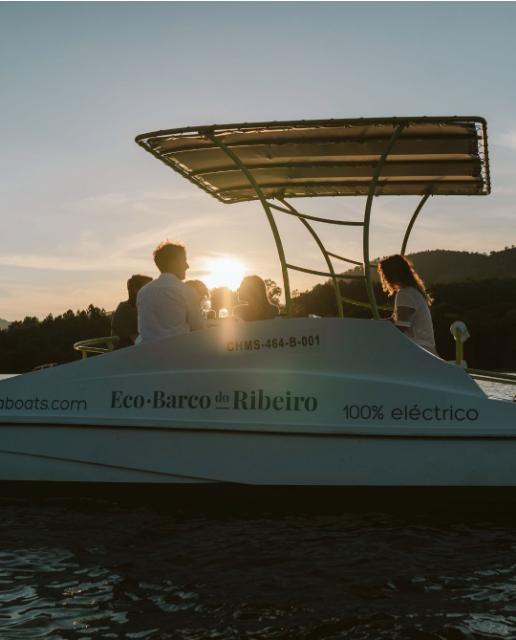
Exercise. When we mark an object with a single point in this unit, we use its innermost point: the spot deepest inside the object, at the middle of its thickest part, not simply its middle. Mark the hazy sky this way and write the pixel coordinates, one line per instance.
(83, 206)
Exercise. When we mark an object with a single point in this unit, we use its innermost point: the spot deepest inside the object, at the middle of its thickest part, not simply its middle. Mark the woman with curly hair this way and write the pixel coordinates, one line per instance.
(411, 302)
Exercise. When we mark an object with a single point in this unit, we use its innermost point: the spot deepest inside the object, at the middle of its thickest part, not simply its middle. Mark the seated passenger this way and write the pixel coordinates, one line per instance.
(166, 306)
(203, 293)
(253, 292)
(411, 303)
(124, 321)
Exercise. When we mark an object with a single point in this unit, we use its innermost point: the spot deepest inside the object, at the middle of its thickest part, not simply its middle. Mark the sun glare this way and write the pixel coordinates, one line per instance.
(224, 272)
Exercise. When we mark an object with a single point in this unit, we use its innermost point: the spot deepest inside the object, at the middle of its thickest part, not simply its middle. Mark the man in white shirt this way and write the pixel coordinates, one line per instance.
(166, 306)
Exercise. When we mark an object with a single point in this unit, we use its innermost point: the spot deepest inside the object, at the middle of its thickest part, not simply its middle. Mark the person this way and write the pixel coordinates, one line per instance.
(203, 294)
(124, 321)
(253, 292)
(202, 291)
(167, 306)
(411, 303)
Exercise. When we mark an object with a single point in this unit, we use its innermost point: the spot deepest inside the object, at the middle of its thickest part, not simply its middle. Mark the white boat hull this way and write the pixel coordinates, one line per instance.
(323, 412)
(190, 457)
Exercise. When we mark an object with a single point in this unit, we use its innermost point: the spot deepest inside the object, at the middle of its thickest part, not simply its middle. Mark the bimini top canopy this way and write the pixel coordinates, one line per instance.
(418, 156)
(276, 161)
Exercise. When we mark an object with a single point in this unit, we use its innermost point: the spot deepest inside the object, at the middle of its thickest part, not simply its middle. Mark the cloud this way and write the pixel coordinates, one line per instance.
(505, 190)
(63, 263)
(506, 139)
(121, 204)
(115, 231)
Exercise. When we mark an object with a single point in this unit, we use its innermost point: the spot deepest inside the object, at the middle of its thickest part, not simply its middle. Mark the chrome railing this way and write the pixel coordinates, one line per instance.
(460, 334)
(96, 345)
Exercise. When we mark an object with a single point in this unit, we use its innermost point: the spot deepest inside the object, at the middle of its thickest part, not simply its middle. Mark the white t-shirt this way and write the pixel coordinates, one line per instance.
(419, 327)
(167, 307)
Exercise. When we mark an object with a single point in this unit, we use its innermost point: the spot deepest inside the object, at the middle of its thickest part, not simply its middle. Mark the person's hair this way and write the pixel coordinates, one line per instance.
(253, 288)
(200, 288)
(134, 284)
(397, 270)
(167, 253)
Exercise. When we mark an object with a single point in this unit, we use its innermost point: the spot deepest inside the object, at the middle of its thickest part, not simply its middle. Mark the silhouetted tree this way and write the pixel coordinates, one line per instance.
(29, 343)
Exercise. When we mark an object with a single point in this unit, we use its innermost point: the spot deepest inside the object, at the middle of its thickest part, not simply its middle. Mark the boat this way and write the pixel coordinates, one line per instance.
(291, 402)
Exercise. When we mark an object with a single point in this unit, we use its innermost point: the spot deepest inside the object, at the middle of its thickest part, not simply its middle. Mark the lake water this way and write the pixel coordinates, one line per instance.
(78, 569)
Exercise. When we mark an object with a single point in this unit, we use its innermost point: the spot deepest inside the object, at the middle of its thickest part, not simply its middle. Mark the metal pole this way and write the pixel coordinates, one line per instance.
(298, 214)
(411, 223)
(336, 286)
(268, 213)
(367, 219)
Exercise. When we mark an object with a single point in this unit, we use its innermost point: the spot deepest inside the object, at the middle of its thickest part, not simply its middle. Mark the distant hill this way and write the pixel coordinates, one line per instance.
(453, 266)
(440, 266)
(4, 324)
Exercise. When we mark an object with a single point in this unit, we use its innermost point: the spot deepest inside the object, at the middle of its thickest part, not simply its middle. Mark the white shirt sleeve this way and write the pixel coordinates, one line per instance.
(194, 317)
(405, 299)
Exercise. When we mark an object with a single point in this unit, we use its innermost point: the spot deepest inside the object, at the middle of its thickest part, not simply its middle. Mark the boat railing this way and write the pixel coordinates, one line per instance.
(460, 334)
(492, 376)
(96, 345)
(47, 365)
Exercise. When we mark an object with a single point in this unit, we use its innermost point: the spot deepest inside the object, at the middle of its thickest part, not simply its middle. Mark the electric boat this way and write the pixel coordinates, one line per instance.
(310, 402)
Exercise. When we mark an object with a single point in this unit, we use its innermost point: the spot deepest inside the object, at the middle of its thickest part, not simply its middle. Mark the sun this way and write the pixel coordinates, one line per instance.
(224, 272)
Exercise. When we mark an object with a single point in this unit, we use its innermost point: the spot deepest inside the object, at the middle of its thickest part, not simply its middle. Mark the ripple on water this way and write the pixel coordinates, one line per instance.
(135, 573)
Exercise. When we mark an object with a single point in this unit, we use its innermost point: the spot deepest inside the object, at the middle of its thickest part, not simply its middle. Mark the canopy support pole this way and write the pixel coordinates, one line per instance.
(367, 220)
(298, 214)
(336, 285)
(277, 239)
(411, 223)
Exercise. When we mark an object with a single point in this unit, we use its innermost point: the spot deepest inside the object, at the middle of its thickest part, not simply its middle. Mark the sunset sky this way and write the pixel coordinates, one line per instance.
(83, 206)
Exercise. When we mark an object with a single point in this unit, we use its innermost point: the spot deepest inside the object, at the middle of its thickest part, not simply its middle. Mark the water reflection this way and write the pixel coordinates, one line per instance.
(73, 571)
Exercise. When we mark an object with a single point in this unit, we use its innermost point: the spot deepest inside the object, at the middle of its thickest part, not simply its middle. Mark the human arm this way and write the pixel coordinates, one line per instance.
(404, 310)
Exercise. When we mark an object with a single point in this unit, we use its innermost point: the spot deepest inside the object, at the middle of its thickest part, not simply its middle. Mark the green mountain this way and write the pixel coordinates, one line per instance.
(4, 324)
(454, 266)
(440, 266)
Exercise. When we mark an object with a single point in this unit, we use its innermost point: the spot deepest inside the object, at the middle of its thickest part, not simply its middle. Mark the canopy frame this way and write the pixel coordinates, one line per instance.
(214, 136)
